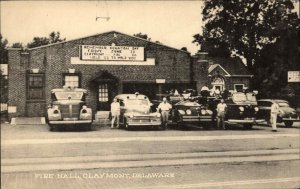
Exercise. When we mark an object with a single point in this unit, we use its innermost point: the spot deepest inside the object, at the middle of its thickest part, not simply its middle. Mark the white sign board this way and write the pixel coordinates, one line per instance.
(293, 76)
(160, 81)
(12, 109)
(112, 53)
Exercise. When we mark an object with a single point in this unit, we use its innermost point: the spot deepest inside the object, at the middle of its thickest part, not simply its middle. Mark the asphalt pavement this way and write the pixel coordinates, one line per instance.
(32, 156)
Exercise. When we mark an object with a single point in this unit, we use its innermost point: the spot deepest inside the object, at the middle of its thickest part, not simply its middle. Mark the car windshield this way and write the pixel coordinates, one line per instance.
(68, 95)
(239, 97)
(136, 102)
(283, 104)
(251, 97)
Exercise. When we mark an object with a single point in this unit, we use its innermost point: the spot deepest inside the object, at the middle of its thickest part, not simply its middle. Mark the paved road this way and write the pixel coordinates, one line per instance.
(32, 157)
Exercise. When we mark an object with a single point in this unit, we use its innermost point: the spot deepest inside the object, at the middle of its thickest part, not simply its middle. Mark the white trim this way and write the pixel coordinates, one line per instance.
(216, 65)
(238, 84)
(239, 75)
(148, 62)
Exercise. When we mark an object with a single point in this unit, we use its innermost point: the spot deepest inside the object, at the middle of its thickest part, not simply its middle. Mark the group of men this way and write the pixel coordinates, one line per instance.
(221, 111)
(164, 108)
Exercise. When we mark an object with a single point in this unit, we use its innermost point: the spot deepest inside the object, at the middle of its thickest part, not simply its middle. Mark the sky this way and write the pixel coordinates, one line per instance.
(173, 23)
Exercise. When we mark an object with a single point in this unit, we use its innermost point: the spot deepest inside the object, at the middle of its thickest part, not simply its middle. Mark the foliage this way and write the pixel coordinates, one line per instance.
(4, 88)
(264, 32)
(143, 36)
(3, 51)
(243, 26)
(54, 37)
(17, 45)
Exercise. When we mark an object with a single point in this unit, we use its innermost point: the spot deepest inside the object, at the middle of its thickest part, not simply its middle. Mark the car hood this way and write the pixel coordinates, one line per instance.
(67, 102)
(138, 109)
(287, 109)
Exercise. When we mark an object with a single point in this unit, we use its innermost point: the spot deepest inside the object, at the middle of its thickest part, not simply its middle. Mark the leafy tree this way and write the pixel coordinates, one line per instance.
(143, 36)
(54, 37)
(4, 88)
(3, 51)
(243, 26)
(17, 45)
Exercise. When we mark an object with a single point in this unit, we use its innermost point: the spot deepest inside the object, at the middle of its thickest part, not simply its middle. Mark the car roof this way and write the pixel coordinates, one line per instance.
(131, 96)
(187, 103)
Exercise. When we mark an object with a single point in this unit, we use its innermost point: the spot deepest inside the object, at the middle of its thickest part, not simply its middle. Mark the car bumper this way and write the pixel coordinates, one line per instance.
(144, 123)
(247, 121)
(197, 118)
(291, 119)
(70, 122)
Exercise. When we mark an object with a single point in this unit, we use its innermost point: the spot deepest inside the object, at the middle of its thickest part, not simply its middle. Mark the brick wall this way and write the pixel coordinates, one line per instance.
(171, 64)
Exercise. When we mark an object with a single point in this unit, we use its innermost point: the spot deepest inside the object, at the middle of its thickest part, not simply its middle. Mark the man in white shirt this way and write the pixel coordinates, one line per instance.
(165, 108)
(273, 116)
(221, 110)
(115, 112)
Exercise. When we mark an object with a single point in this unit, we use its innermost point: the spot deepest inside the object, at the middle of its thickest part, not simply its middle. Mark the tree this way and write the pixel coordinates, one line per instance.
(17, 45)
(4, 88)
(3, 51)
(243, 26)
(54, 37)
(143, 36)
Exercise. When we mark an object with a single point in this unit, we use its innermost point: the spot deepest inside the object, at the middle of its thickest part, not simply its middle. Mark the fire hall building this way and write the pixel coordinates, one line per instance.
(108, 64)
(105, 64)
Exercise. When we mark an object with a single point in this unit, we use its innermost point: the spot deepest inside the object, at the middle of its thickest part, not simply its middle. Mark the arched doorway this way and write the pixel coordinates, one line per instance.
(218, 83)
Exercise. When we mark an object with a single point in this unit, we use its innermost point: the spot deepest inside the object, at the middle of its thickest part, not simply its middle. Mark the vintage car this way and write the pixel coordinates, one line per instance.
(192, 112)
(242, 109)
(136, 111)
(286, 114)
(68, 107)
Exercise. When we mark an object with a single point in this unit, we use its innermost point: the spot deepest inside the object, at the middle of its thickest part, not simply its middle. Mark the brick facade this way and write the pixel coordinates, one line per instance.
(175, 66)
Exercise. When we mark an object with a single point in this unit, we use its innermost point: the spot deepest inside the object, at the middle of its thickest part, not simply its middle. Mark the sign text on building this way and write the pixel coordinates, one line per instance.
(112, 53)
(293, 76)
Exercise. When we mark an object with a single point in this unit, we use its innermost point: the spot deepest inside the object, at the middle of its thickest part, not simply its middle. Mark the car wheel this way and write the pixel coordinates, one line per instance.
(88, 127)
(51, 127)
(248, 126)
(288, 123)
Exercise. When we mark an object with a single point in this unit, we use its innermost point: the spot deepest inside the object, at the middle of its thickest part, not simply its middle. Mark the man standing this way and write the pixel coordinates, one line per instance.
(221, 110)
(115, 112)
(165, 108)
(273, 116)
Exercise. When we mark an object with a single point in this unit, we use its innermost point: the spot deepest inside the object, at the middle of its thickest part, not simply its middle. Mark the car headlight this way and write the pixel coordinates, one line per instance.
(131, 115)
(188, 112)
(55, 112)
(181, 112)
(203, 112)
(256, 109)
(158, 115)
(241, 108)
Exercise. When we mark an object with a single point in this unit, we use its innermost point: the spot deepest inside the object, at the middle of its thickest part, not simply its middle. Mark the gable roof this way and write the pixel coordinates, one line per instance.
(232, 66)
(214, 66)
(107, 33)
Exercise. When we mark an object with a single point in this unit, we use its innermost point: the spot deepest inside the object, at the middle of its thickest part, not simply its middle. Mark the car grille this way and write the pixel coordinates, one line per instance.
(70, 111)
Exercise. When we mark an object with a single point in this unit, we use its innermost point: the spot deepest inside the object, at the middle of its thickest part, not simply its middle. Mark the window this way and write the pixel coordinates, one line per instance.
(71, 79)
(238, 87)
(103, 93)
(35, 87)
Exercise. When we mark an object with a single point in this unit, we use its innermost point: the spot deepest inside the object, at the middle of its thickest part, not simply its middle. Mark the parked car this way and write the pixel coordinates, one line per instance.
(136, 111)
(286, 114)
(242, 109)
(192, 112)
(68, 108)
